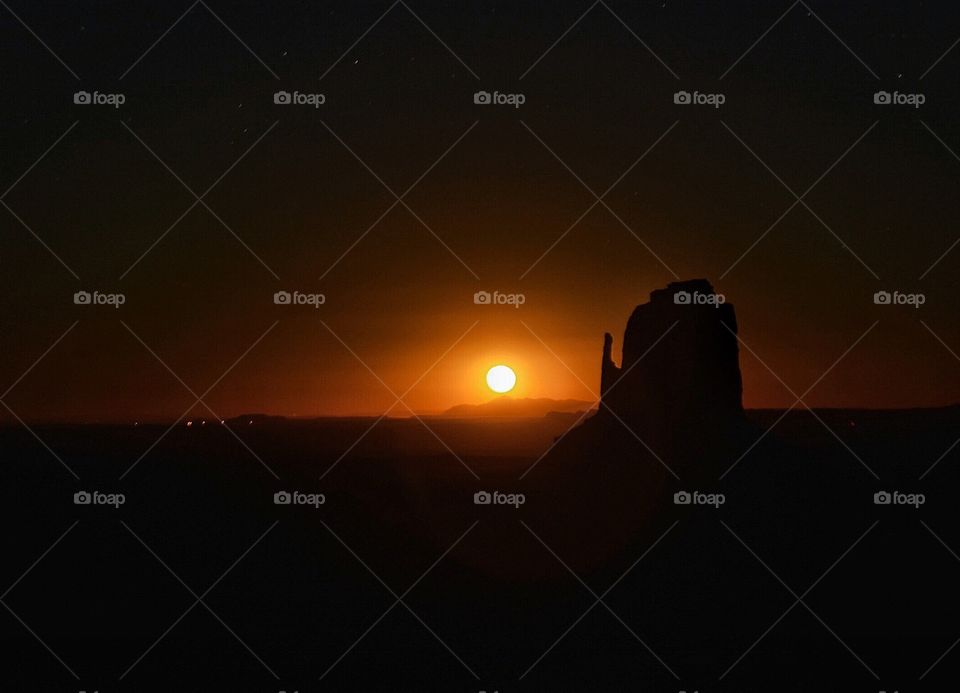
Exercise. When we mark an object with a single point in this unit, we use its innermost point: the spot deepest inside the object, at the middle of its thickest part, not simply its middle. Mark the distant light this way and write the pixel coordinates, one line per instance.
(189, 423)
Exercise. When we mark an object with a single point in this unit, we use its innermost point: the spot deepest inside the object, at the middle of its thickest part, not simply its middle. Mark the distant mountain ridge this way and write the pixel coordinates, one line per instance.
(525, 407)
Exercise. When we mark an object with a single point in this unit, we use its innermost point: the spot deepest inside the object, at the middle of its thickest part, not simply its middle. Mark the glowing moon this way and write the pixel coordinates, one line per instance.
(501, 379)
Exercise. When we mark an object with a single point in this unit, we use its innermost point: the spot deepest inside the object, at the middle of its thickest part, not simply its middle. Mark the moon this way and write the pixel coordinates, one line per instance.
(501, 379)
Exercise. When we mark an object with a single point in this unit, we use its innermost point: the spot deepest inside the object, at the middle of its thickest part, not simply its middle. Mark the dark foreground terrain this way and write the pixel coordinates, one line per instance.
(400, 582)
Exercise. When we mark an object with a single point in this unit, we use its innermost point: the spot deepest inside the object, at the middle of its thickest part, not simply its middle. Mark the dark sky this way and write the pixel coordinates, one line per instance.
(885, 211)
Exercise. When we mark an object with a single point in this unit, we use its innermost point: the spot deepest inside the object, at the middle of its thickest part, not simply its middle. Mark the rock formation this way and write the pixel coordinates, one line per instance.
(670, 418)
(676, 396)
(680, 362)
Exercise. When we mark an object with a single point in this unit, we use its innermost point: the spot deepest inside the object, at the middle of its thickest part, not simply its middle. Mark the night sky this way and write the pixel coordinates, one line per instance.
(297, 188)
